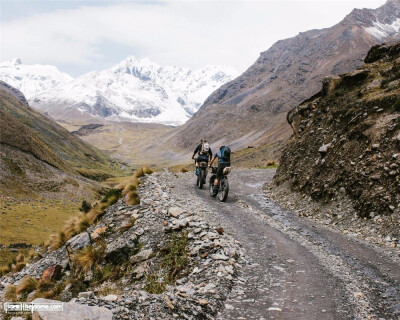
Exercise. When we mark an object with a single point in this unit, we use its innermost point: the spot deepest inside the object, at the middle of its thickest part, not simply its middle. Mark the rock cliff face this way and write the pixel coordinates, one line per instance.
(14, 92)
(252, 108)
(346, 138)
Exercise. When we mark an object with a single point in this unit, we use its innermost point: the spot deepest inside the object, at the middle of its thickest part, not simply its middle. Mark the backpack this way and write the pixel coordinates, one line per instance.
(226, 154)
(205, 147)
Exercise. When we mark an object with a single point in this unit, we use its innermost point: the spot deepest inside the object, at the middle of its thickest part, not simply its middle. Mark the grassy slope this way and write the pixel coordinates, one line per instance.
(30, 131)
(40, 187)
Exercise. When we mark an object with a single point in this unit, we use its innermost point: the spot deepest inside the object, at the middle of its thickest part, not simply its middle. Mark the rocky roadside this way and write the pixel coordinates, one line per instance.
(135, 256)
(341, 216)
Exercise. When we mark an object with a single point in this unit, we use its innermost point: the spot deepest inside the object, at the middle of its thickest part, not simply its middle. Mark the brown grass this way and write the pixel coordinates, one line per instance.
(27, 285)
(147, 170)
(82, 224)
(11, 293)
(18, 266)
(272, 163)
(184, 170)
(78, 224)
(57, 241)
(4, 270)
(20, 258)
(89, 257)
(18, 263)
(130, 186)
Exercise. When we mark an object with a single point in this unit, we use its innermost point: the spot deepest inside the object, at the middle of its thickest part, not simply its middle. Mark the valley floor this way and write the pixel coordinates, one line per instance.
(298, 268)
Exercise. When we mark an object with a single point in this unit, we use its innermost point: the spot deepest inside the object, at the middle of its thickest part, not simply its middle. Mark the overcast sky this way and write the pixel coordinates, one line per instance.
(82, 36)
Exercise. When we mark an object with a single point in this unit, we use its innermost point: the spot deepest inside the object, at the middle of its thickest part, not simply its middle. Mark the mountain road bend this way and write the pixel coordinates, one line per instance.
(296, 268)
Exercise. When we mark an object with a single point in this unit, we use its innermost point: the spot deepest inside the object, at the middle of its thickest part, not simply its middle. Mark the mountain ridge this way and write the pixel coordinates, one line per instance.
(135, 89)
(256, 102)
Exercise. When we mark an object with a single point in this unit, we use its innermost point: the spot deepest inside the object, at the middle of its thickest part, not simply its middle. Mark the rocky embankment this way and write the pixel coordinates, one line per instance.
(343, 162)
(156, 260)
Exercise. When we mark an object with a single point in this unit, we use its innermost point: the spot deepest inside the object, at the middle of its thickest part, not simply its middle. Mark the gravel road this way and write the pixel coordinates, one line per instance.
(297, 268)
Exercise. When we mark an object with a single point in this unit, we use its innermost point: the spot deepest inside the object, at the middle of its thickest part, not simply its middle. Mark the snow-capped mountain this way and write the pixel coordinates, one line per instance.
(135, 90)
(381, 30)
(31, 79)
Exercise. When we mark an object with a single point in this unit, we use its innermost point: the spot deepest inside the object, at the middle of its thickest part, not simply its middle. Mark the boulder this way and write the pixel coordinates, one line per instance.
(121, 248)
(175, 211)
(86, 294)
(51, 274)
(142, 256)
(110, 297)
(72, 310)
(96, 233)
(219, 257)
(324, 148)
(78, 242)
(140, 270)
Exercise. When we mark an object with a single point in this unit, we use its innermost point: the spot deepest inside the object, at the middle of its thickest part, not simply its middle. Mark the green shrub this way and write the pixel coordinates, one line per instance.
(85, 207)
(396, 105)
(176, 256)
(111, 195)
(155, 284)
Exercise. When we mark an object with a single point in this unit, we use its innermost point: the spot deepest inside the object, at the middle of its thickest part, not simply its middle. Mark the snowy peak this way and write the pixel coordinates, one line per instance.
(16, 61)
(137, 90)
(381, 31)
(31, 79)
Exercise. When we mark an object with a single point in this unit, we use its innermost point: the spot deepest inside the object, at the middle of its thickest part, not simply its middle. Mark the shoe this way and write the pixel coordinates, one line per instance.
(215, 190)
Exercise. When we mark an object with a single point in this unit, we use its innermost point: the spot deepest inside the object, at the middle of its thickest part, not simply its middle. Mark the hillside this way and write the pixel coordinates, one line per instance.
(346, 143)
(38, 155)
(252, 108)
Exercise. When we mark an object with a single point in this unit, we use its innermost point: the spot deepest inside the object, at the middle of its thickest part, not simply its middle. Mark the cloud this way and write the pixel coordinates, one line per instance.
(179, 33)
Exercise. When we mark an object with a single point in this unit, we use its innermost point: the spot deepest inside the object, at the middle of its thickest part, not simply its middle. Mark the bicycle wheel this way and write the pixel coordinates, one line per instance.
(212, 188)
(201, 178)
(224, 190)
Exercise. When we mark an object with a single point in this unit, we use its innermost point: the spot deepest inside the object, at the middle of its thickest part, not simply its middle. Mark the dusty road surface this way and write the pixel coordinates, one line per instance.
(297, 268)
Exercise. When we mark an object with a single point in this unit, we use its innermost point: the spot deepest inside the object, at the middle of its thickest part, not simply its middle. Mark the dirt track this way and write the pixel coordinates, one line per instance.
(296, 268)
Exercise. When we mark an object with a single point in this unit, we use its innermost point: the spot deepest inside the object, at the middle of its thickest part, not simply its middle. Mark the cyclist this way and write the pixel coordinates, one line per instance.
(224, 160)
(205, 154)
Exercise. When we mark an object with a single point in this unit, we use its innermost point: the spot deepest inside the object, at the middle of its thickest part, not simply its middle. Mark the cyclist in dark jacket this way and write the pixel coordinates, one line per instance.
(205, 153)
(222, 164)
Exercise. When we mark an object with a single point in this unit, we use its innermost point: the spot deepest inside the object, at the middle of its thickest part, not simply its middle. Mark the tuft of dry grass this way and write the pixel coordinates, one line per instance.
(49, 290)
(57, 241)
(20, 258)
(130, 190)
(11, 293)
(89, 257)
(272, 163)
(82, 224)
(18, 266)
(139, 173)
(147, 170)
(4, 270)
(27, 285)
(108, 289)
(184, 170)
